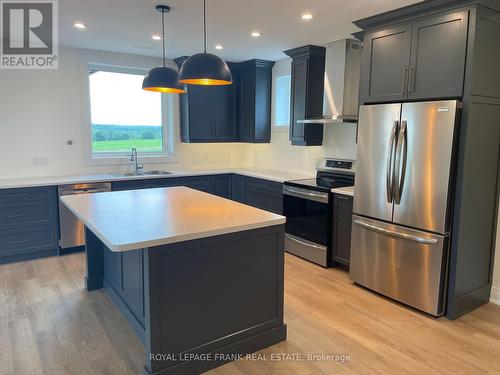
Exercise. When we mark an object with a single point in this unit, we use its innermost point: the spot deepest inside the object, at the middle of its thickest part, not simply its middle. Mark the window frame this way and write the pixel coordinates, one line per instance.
(169, 115)
(281, 68)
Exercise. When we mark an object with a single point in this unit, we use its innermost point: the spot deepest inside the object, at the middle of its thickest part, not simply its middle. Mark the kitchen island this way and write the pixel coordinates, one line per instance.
(199, 278)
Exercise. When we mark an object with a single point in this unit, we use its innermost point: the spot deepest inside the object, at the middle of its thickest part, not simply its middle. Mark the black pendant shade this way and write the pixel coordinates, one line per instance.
(163, 79)
(205, 69)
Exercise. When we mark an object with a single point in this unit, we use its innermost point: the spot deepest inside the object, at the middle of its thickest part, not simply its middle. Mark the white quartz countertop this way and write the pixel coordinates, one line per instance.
(278, 176)
(348, 190)
(134, 219)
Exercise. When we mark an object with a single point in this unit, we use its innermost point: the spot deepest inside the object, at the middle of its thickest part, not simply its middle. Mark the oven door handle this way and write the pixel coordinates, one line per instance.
(306, 194)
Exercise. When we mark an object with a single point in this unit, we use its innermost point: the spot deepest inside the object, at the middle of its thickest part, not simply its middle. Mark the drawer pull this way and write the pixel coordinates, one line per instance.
(19, 241)
(17, 215)
(16, 195)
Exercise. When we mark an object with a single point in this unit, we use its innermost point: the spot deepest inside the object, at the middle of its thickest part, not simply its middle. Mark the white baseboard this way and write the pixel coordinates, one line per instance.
(495, 295)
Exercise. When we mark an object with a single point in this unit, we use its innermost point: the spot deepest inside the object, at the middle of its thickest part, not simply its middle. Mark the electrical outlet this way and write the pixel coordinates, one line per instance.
(40, 162)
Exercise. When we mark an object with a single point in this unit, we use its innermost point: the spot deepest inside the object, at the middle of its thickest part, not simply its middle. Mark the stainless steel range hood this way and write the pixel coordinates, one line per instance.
(342, 69)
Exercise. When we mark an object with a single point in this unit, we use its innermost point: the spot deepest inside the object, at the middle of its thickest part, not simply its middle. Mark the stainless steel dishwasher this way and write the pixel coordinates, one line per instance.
(72, 229)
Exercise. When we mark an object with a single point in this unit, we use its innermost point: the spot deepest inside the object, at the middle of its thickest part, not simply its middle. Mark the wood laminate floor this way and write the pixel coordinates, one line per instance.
(50, 325)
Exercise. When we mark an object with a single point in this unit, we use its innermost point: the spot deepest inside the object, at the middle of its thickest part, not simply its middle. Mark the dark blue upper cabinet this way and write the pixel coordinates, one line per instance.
(385, 64)
(421, 59)
(232, 113)
(224, 112)
(306, 101)
(208, 113)
(254, 83)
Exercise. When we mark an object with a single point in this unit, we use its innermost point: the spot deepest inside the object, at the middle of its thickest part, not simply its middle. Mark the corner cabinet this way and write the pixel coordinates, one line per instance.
(422, 59)
(342, 223)
(254, 84)
(264, 194)
(307, 90)
(208, 113)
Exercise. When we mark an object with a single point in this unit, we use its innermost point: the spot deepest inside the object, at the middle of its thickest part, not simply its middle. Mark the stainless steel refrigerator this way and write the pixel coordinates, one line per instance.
(402, 201)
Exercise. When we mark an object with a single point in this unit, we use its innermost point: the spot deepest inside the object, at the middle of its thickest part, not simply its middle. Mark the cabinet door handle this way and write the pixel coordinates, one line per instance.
(404, 84)
(19, 241)
(412, 80)
(16, 195)
(17, 215)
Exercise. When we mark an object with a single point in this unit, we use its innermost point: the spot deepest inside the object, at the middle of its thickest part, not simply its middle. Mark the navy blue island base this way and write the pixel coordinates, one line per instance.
(197, 304)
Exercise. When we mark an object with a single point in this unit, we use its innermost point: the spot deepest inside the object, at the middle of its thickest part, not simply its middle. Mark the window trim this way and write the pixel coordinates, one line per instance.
(281, 68)
(133, 65)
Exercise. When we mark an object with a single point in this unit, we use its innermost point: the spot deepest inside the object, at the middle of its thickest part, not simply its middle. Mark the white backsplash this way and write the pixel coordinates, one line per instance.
(339, 142)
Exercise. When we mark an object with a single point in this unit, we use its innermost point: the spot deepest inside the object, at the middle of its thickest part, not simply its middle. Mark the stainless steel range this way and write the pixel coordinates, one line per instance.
(307, 205)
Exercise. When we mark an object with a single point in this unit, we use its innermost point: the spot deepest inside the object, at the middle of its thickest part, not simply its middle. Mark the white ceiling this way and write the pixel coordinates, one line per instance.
(127, 25)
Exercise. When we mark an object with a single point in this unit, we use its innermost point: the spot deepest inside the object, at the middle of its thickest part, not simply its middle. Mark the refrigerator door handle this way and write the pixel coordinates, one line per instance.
(401, 158)
(404, 83)
(409, 237)
(390, 162)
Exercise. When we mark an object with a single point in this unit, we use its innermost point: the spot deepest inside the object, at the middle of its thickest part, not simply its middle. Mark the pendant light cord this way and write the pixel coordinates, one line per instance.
(163, 36)
(205, 25)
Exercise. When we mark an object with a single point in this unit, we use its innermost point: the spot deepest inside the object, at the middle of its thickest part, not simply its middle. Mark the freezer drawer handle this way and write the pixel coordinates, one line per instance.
(409, 237)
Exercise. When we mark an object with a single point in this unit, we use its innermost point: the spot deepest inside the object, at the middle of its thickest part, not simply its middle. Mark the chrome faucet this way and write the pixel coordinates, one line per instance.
(134, 158)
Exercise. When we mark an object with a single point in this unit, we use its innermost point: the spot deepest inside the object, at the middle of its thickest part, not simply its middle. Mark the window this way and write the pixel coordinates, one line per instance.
(123, 116)
(282, 101)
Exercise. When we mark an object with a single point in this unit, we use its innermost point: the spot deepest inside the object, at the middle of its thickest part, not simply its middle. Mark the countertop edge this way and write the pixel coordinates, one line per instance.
(117, 247)
(349, 191)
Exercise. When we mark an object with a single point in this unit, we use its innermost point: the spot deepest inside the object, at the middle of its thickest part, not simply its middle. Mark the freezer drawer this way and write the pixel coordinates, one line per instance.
(403, 264)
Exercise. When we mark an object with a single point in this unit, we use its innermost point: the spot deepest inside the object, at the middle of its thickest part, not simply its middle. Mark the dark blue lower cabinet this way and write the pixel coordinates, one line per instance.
(221, 186)
(238, 188)
(264, 194)
(202, 183)
(123, 279)
(133, 281)
(189, 306)
(341, 234)
(215, 184)
(257, 192)
(29, 223)
(113, 269)
(144, 183)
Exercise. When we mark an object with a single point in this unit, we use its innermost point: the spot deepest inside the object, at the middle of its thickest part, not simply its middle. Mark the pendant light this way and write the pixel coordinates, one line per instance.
(163, 79)
(205, 68)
